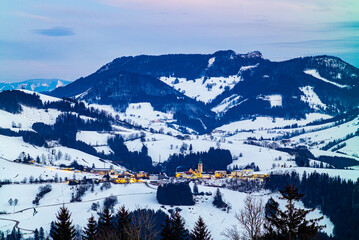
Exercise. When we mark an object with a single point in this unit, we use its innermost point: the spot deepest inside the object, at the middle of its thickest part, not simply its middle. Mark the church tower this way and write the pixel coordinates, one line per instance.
(200, 168)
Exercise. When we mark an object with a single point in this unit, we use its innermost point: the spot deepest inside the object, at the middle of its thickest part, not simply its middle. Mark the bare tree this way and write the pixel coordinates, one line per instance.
(142, 226)
(231, 233)
(251, 219)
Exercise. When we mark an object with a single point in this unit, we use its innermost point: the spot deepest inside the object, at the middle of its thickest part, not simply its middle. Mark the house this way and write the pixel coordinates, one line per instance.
(157, 177)
(242, 173)
(142, 174)
(220, 174)
(103, 171)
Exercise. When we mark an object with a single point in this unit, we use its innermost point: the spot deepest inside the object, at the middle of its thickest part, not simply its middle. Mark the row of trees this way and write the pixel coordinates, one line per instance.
(141, 224)
(209, 160)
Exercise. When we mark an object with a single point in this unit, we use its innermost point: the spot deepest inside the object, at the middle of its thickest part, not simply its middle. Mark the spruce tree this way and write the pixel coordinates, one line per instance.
(36, 234)
(18, 234)
(63, 228)
(41, 234)
(123, 223)
(178, 229)
(166, 232)
(90, 231)
(52, 228)
(105, 227)
(218, 201)
(292, 223)
(200, 231)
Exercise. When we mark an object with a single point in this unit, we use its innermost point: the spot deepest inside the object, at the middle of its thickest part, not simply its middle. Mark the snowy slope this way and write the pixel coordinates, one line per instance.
(330, 134)
(12, 147)
(314, 73)
(132, 196)
(228, 103)
(268, 122)
(352, 147)
(311, 98)
(27, 118)
(17, 172)
(202, 89)
(44, 98)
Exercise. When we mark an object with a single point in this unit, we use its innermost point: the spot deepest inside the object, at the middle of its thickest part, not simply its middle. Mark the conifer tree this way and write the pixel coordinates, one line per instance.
(218, 201)
(292, 223)
(105, 227)
(166, 232)
(36, 234)
(178, 229)
(90, 231)
(41, 234)
(123, 223)
(63, 228)
(200, 231)
(14, 235)
(52, 228)
(18, 234)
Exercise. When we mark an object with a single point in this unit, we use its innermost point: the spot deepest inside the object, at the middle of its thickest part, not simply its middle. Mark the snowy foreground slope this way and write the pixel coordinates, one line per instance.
(132, 196)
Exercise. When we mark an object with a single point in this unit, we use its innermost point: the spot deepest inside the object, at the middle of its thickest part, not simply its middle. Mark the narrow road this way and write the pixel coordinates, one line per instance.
(17, 225)
(148, 185)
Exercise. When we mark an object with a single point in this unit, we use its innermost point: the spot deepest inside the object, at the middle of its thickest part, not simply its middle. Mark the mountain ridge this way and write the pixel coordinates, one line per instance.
(37, 85)
(225, 86)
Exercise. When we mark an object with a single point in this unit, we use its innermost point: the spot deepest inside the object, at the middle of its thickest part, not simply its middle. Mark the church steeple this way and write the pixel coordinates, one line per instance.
(200, 167)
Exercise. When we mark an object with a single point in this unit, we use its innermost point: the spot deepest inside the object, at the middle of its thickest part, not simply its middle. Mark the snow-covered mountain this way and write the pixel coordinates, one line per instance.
(36, 85)
(207, 91)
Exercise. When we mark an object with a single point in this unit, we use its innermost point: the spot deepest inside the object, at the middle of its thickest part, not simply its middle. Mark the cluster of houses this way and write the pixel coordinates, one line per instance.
(198, 173)
(114, 176)
(111, 175)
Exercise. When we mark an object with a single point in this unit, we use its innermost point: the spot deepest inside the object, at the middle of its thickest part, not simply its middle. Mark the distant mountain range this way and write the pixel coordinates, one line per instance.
(36, 85)
(205, 91)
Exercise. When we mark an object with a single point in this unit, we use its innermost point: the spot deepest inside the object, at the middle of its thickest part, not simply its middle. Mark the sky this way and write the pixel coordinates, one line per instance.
(70, 39)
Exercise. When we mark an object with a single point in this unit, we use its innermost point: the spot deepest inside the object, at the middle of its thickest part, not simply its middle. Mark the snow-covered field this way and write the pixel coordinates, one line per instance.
(132, 196)
(27, 118)
(269, 123)
(315, 73)
(17, 172)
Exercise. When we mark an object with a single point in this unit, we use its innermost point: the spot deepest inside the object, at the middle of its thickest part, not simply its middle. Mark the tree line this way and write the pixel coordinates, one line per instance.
(209, 159)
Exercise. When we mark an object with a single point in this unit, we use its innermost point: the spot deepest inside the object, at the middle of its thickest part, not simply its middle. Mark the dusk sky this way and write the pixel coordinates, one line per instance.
(69, 39)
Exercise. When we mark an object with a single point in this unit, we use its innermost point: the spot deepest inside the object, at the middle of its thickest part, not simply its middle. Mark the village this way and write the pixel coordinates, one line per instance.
(127, 176)
(123, 177)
